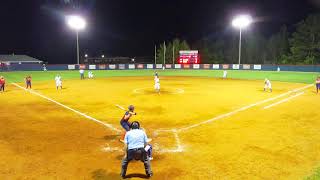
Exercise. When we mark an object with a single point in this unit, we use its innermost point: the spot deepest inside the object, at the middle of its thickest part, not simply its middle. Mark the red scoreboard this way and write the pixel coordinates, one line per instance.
(189, 57)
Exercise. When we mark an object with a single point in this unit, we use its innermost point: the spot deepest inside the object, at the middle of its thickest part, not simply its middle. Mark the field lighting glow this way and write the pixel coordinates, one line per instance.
(242, 21)
(76, 22)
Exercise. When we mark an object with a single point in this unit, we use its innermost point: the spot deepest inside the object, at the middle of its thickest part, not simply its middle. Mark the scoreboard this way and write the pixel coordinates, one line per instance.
(189, 57)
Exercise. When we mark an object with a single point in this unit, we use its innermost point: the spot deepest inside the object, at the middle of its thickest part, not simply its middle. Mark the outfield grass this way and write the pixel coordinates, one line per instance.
(298, 77)
(315, 175)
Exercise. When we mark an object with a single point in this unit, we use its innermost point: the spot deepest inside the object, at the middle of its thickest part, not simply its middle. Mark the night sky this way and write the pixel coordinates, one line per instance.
(131, 28)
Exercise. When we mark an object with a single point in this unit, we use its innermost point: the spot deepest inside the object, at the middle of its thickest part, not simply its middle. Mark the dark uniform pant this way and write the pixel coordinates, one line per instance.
(28, 85)
(136, 154)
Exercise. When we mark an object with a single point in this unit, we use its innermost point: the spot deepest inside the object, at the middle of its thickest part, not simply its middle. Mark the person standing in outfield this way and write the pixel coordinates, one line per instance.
(81, 71)
(2, 83)
(225, 73)
(28, 81)
(58, 81)
(44, 67)
(90, 75)
(124, 122)
(267, 85)
(135, 143)
(318, 84)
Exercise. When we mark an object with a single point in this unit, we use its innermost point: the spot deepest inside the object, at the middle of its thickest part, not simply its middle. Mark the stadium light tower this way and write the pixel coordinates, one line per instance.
(241, 22)
(77, 23)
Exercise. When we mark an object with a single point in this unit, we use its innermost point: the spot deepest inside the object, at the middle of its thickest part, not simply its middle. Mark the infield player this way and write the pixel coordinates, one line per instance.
(318, 84)
(28, 81)
(58, 81)
(267, 85)
(124, 122)
(157, 84)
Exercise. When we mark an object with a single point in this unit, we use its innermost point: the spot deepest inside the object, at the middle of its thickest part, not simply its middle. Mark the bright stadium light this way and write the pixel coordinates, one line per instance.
(77, 23)
(86, 55)
(102, 56)
(241, 22)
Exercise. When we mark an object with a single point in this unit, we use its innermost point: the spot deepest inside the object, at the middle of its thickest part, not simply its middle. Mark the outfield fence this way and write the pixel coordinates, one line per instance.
(257, 67)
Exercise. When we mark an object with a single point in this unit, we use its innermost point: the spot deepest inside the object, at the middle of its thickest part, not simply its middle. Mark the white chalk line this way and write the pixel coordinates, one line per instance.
(69, 108)
(176, 136)
(178, 90)
(283, 100)
(241, 109)
(107, 148)
(179, 147)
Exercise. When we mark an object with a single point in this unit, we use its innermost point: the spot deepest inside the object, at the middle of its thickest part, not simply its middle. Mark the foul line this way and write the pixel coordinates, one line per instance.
(242, 109)
(67, 107)
(179, 147)
(282, 101)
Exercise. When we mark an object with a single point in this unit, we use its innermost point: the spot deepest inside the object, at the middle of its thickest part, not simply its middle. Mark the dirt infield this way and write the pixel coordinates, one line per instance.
(202, 128)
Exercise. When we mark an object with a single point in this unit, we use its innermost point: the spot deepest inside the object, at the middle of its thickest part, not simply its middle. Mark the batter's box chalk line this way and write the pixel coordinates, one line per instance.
(178, 146)
(108, 148)
(157, 148)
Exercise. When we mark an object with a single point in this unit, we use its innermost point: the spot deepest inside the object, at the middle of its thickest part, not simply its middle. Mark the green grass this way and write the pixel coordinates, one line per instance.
(298, 77)
(315, 175)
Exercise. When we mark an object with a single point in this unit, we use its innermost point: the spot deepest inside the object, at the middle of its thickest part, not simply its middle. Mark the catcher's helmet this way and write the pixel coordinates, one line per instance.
(135, 125)
(131, 108)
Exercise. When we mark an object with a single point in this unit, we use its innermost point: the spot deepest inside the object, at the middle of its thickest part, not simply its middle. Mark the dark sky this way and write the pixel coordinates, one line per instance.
(131, 27)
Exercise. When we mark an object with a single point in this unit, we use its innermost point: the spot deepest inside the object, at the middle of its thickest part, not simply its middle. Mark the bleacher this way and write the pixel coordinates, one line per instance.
(18, 59)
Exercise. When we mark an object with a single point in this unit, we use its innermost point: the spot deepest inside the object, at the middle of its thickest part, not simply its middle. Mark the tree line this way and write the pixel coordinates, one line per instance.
(302, 46)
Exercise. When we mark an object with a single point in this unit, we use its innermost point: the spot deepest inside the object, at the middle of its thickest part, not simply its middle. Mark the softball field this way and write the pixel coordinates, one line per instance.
(202, 128)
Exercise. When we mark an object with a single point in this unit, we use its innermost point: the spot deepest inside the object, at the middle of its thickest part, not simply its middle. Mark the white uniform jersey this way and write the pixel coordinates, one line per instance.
(267, 84)
(58, 81)
(90, 74)
(156, 83)
(225, 74)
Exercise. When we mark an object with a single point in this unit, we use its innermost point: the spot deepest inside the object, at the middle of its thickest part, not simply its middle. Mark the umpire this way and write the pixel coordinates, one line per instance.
(135, 141)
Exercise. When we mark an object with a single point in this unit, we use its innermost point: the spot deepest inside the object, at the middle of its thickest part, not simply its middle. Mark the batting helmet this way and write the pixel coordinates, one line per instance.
(135, 125)
(131, 108)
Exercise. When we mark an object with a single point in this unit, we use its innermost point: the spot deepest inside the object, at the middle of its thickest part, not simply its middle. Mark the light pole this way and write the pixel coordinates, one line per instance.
(241, 22)
(77, 23)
